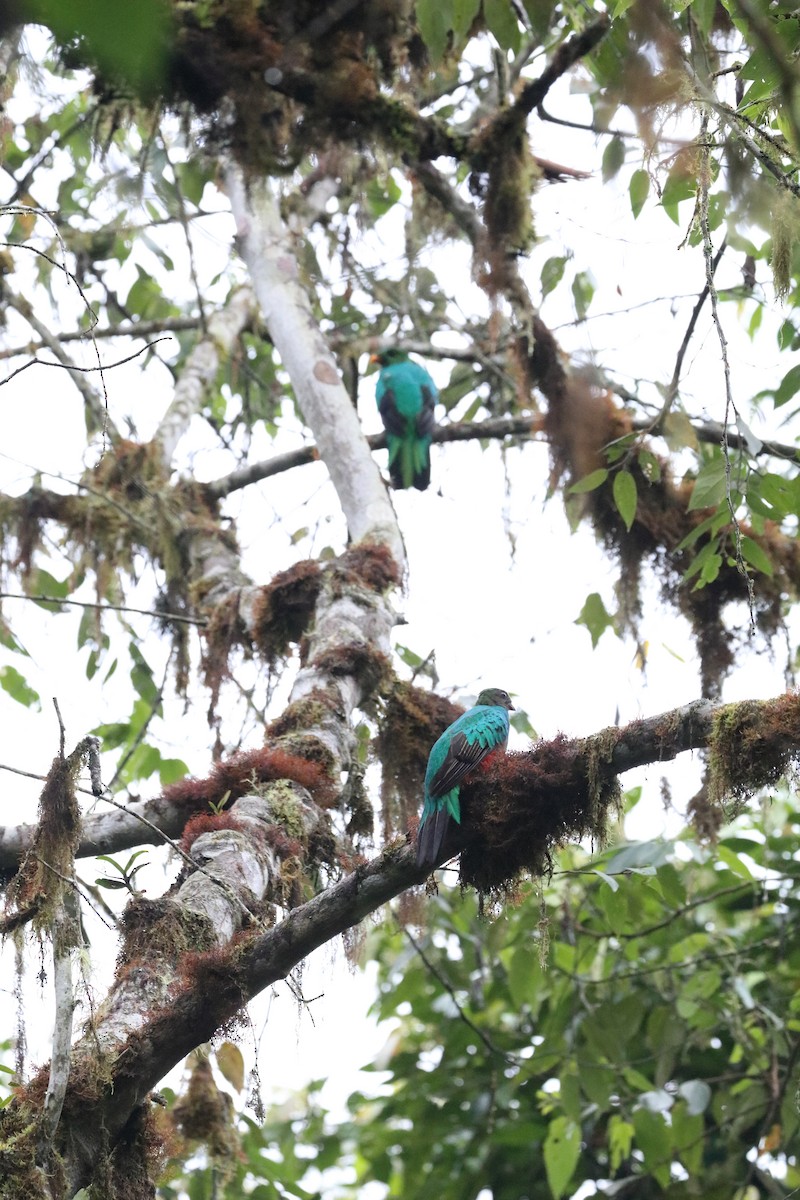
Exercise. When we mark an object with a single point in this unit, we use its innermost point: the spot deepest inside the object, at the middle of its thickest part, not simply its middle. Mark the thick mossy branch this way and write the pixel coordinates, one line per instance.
(522, 808)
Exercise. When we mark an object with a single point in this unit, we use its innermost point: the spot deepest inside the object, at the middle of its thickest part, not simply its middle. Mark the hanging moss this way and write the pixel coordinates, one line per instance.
(581, 423)
(753, 746)
(37, 888)
(518, 811)
(372, 564)
(285, 608)
(205, 1114)
(409, 722)
(225, 630)
(369, 667)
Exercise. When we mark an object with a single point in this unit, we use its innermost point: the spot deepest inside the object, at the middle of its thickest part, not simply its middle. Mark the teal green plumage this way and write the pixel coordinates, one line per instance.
(476, 736)
(406, 397)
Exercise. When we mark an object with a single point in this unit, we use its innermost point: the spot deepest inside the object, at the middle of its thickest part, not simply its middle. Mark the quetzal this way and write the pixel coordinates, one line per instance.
(406, 397)
(475, 738)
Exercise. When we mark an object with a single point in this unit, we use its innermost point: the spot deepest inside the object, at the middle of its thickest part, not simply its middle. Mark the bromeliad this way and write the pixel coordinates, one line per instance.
(470, 742)
(406, 397)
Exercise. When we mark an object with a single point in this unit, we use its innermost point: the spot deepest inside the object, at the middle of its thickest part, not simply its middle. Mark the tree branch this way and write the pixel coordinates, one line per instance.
(199, 373)
(138, 329)
(322, 397)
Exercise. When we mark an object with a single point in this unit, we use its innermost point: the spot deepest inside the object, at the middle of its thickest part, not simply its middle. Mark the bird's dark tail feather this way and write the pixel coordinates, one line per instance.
(430, 838)
(420, 481)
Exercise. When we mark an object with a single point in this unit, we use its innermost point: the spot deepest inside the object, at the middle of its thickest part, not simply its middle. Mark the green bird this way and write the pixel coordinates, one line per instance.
(406, 397)
(471, 742)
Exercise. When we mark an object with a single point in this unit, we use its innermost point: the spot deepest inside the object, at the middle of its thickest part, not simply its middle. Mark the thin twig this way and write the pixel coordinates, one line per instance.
(71, 366)
(40, 598)
(33, 775)
(126, 329)
(62, 730)
(672, 388)
(183, 217)
(704, 184)
(448, 987)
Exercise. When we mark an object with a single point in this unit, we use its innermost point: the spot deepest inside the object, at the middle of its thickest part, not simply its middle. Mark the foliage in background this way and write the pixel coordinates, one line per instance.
(637, 1029)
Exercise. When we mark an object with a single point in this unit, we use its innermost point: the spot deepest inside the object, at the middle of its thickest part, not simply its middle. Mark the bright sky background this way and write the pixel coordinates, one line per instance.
(493, 619)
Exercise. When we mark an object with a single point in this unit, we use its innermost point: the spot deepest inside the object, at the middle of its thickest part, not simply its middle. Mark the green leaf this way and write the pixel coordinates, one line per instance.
(595, 616)
(653, 1139)
(382, 194)
(582, 293)
(142, 676)
(679, 186)
(687, 1136)
(589, 482)
(128, 41)
(625, 496)
(522, 723)
(18, 688)
(171, 770)
(756, 556)
(788, 386)
(435, 20)
(553, 273)
(561, 1150)
(502, 23)
(464, 13)
(710, 486)
(42, 583)
(639, 189)
(9, 639)
(620, 1140)
(613, 158)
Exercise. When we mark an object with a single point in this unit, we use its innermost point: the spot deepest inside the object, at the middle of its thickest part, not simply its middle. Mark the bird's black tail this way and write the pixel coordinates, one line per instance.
(421, 478)
(430, 838)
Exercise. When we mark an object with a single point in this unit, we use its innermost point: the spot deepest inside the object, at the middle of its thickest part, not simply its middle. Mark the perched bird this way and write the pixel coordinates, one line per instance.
(475, 738)
(406, 397)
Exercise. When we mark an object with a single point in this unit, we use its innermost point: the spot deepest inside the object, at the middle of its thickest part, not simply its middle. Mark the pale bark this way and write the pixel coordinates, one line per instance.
(199, 373)
(266, 249)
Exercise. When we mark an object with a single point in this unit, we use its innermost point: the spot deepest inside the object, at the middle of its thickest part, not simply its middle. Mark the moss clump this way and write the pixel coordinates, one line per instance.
(522, 807)
(285, 609)
(205, 1114)
(372, 564)
(307, 713)
(163, 929)
(368, 666)
(303, 759)
(752, 746)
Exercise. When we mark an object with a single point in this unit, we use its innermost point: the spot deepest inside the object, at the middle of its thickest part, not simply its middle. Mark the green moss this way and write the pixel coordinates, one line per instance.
(286, 808)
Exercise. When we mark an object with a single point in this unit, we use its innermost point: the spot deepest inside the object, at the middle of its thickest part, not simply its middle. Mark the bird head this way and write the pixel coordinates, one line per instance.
(496, 696)
(386, 357)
